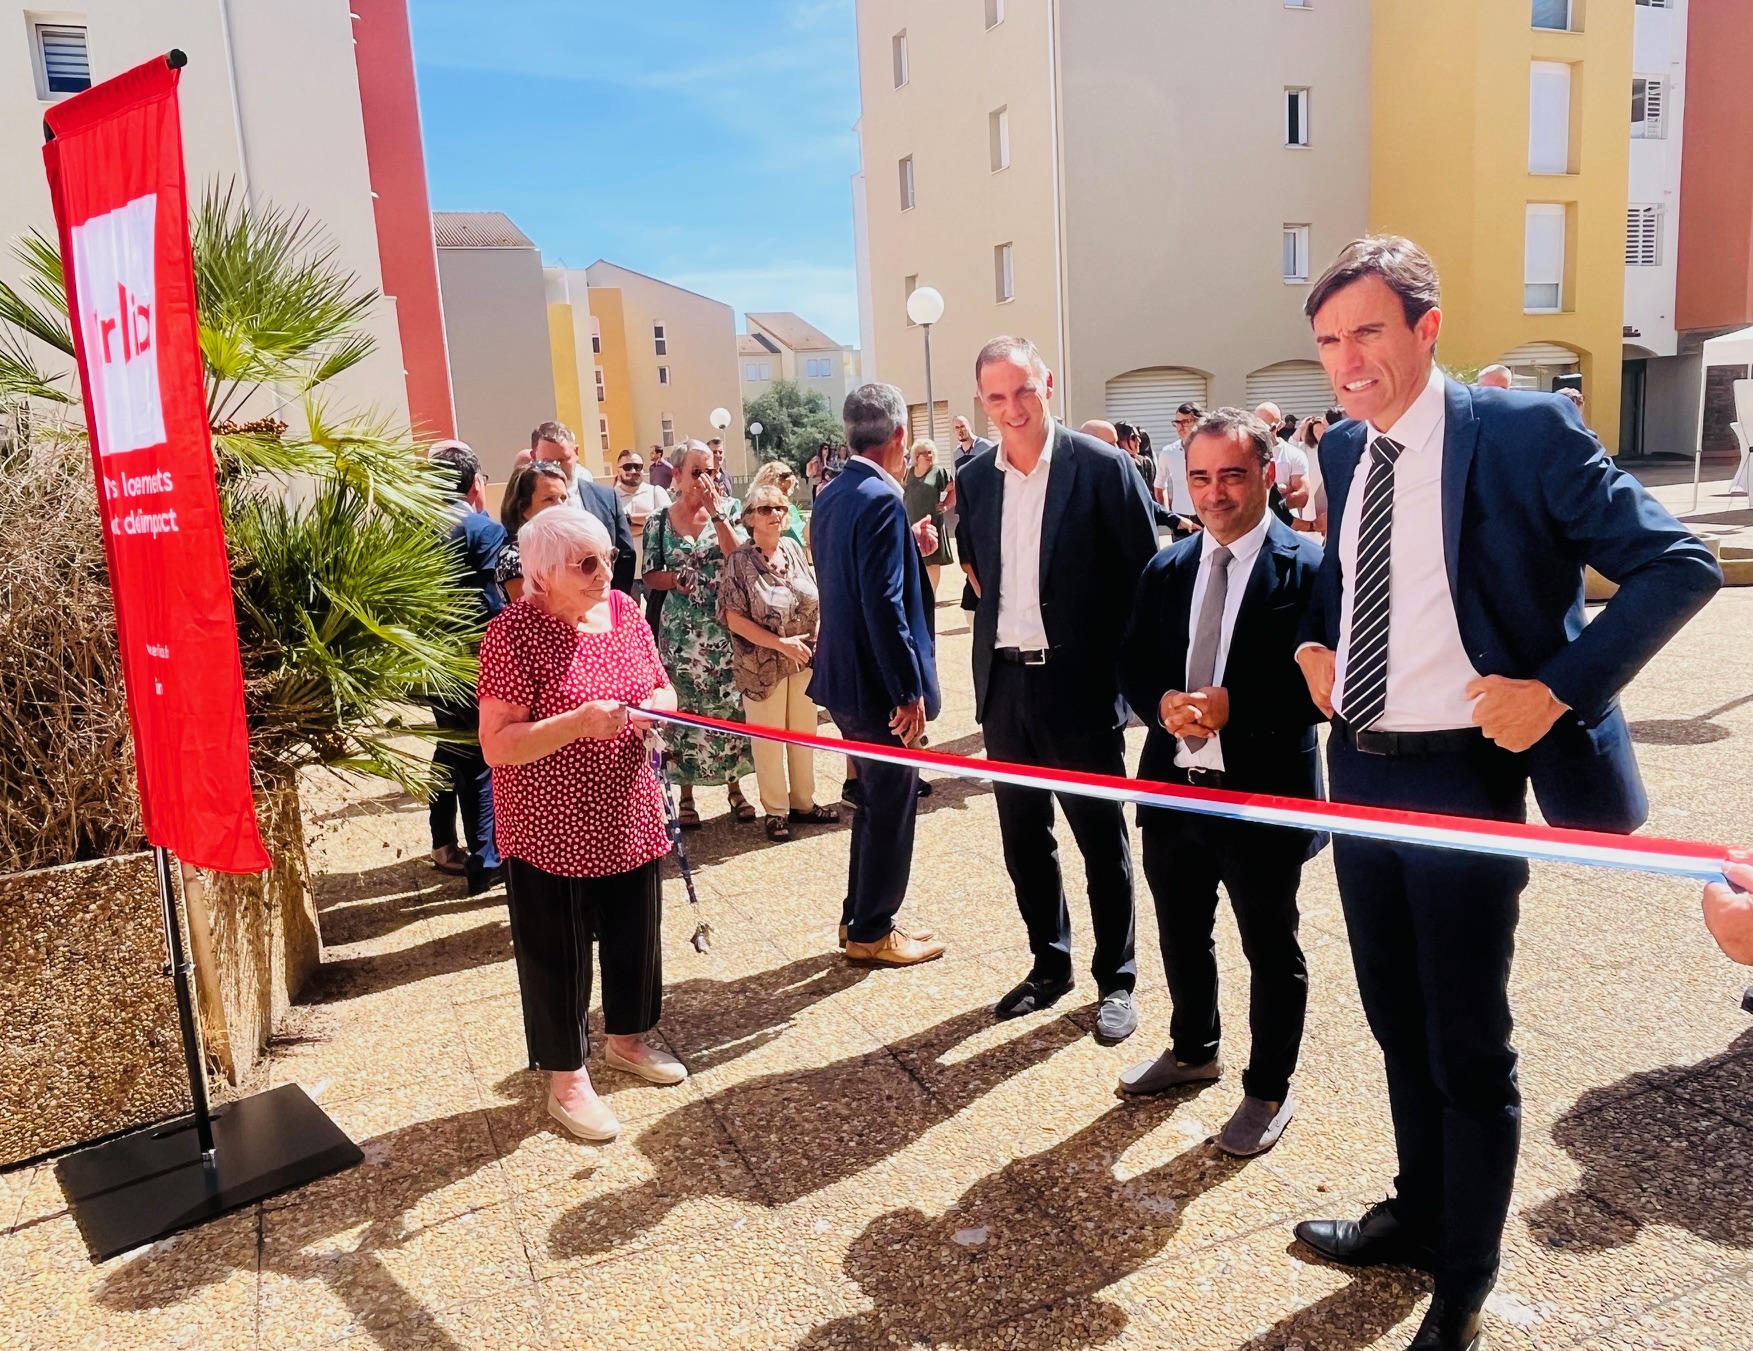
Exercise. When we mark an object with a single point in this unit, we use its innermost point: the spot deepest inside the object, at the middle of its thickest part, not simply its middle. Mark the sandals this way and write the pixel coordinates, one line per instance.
(741, 808)
(686, 815)
(817, 816)
(778, 829)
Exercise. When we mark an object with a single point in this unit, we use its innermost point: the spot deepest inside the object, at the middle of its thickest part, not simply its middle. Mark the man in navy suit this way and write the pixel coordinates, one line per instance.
(1454, 677)
(1209, 663)
(1055, 529)
(555, 443)
(875, 667)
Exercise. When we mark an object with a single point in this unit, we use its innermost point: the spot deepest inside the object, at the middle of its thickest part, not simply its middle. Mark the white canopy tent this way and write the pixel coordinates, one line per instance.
(1730, 349)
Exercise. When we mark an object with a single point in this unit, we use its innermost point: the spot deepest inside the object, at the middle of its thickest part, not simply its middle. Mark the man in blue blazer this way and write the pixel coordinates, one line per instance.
(1447, 640)
(875, 667)
(555, 443)
(1209, 663)
(1055, 528)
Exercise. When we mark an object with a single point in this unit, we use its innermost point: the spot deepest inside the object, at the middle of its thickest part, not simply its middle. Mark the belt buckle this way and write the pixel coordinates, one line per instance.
(1034, 657)
(1373, 743)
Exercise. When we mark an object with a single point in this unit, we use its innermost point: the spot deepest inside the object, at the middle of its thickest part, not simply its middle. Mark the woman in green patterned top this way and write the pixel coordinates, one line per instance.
(685, 548)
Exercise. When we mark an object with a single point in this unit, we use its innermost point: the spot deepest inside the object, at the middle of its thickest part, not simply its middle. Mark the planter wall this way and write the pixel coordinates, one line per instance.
(89, 1043)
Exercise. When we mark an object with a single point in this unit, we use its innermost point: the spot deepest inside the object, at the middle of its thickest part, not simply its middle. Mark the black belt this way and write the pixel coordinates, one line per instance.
(1023, 656)
(1451, 741)
(1204, 778)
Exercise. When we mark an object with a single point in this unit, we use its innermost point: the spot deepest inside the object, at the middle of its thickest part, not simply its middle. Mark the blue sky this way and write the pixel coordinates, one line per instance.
(707, 142)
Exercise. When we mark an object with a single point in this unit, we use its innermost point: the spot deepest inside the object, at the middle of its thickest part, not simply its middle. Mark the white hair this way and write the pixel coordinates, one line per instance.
(553, 540)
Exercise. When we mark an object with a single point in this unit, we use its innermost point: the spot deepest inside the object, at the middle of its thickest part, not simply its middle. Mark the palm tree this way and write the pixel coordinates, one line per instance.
(348, 616)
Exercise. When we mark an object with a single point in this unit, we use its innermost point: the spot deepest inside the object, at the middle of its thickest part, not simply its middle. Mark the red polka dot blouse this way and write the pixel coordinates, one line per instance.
(592, 808)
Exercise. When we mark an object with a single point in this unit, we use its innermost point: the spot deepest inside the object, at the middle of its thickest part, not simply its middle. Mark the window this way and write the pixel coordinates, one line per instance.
(818, 368)
(603, 430)
(1296, 117)
(1643, 236)
(596, 337)
(908, 286)
(659, 342)
(898, 50)
(907, 184)
(1549, 118)
(994, 13)
(1552, 14)
(663, 375)
(756, 371)
(1298, 4)
(998, 138)
(64, 65)
(1004, 273)
(1296, 253)
(1656, 4)
(669, 431)
(1648, 96)
(1543, 261)
(602, 391)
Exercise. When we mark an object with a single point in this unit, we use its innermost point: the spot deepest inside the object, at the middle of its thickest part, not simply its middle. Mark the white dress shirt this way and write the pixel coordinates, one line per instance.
(1171, 479)
(1244, 552)
(1019, 572)
(1428, 669)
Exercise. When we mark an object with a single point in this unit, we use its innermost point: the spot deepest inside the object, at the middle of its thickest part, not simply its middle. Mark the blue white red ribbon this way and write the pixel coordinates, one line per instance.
(1546, 844)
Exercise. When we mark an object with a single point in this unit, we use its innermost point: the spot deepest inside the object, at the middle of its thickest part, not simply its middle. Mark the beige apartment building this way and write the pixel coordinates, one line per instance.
(1053, 170)
(785, 346)
(677, 354)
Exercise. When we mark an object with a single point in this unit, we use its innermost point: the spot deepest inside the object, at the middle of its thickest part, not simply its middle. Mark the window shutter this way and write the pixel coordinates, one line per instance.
(66, 62)
(1654, 97)
(1643, 236)
(1543, 262)
(1549, 118)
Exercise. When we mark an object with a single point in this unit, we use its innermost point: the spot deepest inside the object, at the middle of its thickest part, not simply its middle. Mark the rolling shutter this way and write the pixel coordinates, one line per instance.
(1149, 398)
(1299, 388)
(919, 425)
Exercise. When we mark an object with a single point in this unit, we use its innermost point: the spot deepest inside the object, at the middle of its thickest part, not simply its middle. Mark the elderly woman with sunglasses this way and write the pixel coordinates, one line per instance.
(686, 545)
(767, 598)
(580, 823)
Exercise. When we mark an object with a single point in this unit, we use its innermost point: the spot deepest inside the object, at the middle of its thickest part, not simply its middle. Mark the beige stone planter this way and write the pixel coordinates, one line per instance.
(89, 1043)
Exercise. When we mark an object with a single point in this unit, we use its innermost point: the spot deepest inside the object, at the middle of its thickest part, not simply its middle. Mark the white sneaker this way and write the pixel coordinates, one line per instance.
(596, 1123)
(657, 1066)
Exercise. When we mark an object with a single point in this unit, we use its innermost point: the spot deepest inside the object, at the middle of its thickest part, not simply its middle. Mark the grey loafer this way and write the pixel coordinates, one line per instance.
(1256, 1126)
(1165, 1072)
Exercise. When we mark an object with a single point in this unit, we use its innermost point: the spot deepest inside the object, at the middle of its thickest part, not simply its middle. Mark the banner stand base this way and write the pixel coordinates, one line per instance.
(152, 1183)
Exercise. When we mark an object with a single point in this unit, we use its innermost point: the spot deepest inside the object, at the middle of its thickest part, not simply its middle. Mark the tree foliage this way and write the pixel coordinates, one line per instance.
(348, 613)
(794, 421)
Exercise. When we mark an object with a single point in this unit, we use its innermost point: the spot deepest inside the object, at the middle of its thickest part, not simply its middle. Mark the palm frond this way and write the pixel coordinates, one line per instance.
(20, 374)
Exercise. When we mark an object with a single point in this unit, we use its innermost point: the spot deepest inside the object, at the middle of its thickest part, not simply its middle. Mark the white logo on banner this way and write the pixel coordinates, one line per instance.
(114, 261)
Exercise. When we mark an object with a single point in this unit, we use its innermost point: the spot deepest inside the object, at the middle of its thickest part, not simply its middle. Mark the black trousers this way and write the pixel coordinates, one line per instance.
(1185, 857)
(1432, 937)
(882, 833)
(1024, 726)
(470, 788)
(553, 922)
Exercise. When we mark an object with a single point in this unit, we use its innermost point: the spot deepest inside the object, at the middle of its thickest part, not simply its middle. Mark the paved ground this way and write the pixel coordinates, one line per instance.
(865, 1159)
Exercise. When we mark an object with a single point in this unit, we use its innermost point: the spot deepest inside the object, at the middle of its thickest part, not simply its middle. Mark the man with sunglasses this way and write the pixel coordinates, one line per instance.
(554, 443)
(1171, 472)
(640, 500)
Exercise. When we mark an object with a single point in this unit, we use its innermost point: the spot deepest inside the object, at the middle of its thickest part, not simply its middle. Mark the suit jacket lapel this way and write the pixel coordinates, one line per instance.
(1460, 440)
(1061, 477)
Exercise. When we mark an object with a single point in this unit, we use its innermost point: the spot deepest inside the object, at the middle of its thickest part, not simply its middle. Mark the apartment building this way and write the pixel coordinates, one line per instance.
(1057, 171)
(675, 354)
(496, 321)
(788, 347)
(310, 106)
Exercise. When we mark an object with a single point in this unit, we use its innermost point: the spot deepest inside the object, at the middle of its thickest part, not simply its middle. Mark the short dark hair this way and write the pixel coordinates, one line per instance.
(557, 432)
(1335, 414)
(1189, 410)
(1009, 349)
(1236, 422)
(521, 491)
(459, 458)
(1124, 431)
(625, 453)
(1406, 269)
(1143, 440)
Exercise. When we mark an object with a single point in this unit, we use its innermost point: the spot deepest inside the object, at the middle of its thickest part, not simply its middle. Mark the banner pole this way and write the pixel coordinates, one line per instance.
(180, 969)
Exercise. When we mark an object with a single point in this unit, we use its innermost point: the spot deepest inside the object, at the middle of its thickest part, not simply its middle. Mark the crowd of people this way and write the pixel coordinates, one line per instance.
(1405, 567)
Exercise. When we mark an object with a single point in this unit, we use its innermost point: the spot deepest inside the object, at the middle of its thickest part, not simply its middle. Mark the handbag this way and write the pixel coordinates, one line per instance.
(654, 598)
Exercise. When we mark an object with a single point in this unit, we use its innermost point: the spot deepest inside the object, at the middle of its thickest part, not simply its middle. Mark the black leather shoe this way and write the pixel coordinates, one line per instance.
(1376, 1240)
(1450, 1326)
(1033, 995)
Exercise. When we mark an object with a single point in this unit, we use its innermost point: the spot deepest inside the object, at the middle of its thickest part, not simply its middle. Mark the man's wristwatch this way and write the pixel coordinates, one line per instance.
(717, 518)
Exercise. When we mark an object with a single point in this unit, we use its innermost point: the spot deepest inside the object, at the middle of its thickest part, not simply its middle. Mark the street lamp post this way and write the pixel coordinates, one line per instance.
(755, 430)
(925, 308)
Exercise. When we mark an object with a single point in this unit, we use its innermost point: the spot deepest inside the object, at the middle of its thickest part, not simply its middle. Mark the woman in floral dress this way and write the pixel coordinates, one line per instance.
(686, 545)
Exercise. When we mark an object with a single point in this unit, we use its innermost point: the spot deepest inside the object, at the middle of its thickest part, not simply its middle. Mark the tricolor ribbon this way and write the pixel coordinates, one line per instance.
(1548, 844)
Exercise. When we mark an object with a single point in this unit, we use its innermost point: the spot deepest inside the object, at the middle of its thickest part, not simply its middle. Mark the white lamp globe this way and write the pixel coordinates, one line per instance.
(721, 418)
(925, 305)
(755, 429)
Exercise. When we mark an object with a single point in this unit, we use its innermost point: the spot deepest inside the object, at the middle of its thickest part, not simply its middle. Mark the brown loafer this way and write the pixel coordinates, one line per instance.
(893, 949)
(923, 935)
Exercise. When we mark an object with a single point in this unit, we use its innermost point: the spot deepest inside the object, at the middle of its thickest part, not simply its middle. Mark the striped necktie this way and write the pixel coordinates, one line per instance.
(1366, 662)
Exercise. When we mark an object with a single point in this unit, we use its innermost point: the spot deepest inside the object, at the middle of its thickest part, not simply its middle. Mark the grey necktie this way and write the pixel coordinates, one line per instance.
(1202, 665)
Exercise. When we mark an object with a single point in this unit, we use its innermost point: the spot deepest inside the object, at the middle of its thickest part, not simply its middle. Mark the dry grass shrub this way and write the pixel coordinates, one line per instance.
(66, 756)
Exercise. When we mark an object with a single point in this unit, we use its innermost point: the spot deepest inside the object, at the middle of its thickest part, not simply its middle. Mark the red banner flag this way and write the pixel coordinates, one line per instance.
(115, 164)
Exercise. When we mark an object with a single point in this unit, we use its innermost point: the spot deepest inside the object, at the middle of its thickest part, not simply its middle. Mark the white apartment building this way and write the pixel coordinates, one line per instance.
(271, 109)
(785, 346)
(1050, 169)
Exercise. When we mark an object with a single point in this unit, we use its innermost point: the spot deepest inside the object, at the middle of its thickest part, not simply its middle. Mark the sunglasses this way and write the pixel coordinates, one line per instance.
(699, 473)
(765, 511)
(589, 564)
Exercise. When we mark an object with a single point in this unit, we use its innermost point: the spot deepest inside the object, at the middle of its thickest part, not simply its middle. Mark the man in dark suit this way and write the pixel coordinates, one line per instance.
(1055, 529)
(1454, 678)
(1209, 662)
(555, 443)
(875, 667)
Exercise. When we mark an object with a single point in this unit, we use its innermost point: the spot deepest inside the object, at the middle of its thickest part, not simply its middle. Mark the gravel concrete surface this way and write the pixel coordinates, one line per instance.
(866, 1159)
